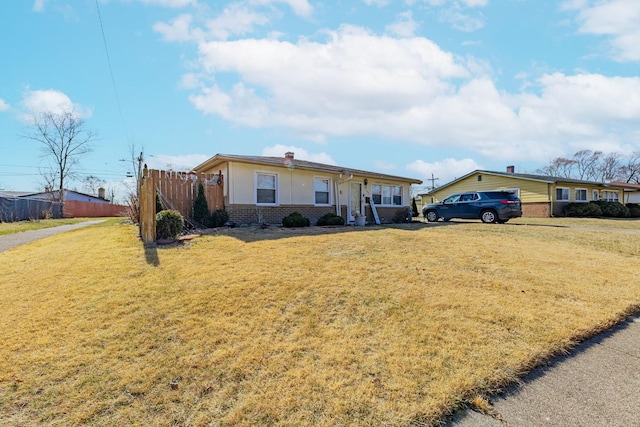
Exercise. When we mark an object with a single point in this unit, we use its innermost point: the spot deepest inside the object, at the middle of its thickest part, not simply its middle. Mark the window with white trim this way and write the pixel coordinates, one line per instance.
(562, 194)
(321, 188)
(595, 194)
(581, 195)
(611, 196)
(386, 195)
(266, 188)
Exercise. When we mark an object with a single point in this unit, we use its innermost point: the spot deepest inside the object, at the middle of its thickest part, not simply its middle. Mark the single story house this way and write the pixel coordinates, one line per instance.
(631, 191)
(541, 196)
(259, 189)
(69, 195)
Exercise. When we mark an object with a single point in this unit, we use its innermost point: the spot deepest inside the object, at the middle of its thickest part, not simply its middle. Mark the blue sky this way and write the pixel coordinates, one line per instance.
(410, 88)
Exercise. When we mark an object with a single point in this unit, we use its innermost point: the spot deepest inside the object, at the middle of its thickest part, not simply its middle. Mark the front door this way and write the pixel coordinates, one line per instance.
(355, 201)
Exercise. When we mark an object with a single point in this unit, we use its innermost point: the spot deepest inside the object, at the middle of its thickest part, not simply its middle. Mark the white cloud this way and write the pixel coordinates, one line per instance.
(340, 85)
(299, 153)
(379, 3)
(404, 26)
(300, 7)
(170, 3)
(178, 30)
(617, 19)
(236, 19)
(39, 5)
(176, 163)
(457, 3)
(385, 166)
(460, 20)
(4, 106)
(441, 172)
(49, 101)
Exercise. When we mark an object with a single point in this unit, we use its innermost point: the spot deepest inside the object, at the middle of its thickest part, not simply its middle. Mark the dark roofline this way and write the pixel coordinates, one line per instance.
(529, 177)
(296, 163)
(38, 193)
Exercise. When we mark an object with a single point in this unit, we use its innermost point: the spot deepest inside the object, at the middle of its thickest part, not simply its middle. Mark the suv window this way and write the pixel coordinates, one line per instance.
(500, 195)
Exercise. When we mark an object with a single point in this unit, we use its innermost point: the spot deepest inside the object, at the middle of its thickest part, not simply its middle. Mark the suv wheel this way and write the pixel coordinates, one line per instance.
(488, 216)
(432, 216)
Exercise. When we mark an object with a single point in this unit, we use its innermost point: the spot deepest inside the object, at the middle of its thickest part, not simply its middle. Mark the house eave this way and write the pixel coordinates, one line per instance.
(298, 164)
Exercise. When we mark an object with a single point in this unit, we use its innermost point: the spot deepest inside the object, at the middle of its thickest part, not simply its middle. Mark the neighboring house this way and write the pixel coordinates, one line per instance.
(541, 196)
(69, 195)
(631, 191)
(261, 189)
(78, 205)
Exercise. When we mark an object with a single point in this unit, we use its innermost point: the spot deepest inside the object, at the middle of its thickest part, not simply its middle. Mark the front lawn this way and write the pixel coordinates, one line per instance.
(324, 326)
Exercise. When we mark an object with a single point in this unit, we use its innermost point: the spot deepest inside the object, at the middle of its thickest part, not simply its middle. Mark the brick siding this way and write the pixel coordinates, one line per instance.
(250, 214)
(536, 210)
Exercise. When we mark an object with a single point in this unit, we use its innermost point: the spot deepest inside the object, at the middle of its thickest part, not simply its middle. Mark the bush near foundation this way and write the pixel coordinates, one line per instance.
(634, 210)
(169, 223)
(613, 209)
(295, 219)
(583, 210)
(219, 218)
(597, 208)
(330, 219)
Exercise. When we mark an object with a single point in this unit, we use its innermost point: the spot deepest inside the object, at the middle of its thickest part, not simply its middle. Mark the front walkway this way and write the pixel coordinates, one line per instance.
(9, 241)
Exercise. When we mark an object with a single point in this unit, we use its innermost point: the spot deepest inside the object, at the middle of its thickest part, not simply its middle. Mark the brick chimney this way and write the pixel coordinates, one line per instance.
(101, 193)
(511, 169)
(288, 155)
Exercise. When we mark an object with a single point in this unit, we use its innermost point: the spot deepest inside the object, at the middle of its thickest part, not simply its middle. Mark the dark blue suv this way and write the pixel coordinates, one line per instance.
(489, 206)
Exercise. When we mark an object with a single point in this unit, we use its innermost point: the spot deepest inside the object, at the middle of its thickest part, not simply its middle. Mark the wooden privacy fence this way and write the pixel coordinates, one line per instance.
(177, 190)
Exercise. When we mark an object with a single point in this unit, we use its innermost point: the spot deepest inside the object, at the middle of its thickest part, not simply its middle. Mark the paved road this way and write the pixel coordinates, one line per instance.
(9, 241)
(597, 385)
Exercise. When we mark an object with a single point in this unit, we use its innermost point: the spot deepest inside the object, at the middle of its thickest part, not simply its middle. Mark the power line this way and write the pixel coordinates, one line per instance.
(113, 80)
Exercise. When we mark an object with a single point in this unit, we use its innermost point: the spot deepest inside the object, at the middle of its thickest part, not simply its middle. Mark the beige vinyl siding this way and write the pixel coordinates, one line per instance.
(530, 191)
(295, 186)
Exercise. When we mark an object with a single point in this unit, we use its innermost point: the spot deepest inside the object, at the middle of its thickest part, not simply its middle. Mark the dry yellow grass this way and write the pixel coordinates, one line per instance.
(381, 326)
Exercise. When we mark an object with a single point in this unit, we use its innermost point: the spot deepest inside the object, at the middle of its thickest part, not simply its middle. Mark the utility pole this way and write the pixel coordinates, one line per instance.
(433, 185)
(433, 182)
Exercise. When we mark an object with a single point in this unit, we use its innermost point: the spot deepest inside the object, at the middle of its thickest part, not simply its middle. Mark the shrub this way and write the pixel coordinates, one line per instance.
(402, 215)
(414, 208)
(330, 219)
(295, 219)
(219, 218)
(613, 209)
(583, 210)
(634, 210)
(169, 224)
(200, 207)
(159, 205)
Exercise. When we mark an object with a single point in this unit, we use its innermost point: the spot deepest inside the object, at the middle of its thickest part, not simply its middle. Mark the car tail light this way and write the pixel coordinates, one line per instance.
(507, 202)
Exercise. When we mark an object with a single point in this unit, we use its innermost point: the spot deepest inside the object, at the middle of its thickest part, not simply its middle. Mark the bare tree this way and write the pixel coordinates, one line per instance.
(609, 167)
(133, 200)
(560, 167)
(630, 170)
(92, 183)
(586, 164)
(63, 138)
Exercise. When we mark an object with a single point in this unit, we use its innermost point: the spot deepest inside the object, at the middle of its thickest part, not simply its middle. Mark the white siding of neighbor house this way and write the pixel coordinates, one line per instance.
(295, 186)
